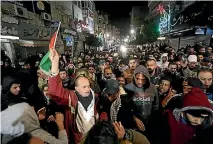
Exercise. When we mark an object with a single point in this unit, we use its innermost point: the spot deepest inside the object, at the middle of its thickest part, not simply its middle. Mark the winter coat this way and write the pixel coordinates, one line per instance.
(189, 73)
(175, 126)
(21, 118)
(63, 97)
(145, 100)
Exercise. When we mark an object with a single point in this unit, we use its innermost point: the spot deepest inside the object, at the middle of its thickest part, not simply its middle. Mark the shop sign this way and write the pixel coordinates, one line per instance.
(9, 19)
(67, 31)
(9, 29)
(33, 32)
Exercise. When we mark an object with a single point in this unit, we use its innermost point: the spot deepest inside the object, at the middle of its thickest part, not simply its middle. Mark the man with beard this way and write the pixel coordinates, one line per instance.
(144, 97)
(205, 76)
(191, 70)
(154, 71)
(202, 50)
(176, 78)
(190, 51)
(163, 64)
(179, 67)
(165, 91)
(107, 75)
(128, 74)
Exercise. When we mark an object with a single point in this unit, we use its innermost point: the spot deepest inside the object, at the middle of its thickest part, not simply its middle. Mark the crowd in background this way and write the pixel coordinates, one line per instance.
(155, 95)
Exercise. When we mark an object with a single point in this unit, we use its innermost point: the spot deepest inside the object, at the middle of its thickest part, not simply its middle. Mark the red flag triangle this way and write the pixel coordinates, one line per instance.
(53, 40)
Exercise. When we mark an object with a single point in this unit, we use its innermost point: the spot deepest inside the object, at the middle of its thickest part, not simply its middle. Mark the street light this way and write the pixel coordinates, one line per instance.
(125, 40)
(107, 35)
(123, 48)
(132, 31)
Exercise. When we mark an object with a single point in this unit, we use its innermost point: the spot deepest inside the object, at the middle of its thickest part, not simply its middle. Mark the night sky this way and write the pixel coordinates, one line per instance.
(119, 11)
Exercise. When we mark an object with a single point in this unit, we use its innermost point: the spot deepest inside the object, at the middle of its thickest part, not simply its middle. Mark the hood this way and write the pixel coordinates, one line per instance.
(163, 55)
(195, 100)
(7, 83)
(19, 119)
(144, 71)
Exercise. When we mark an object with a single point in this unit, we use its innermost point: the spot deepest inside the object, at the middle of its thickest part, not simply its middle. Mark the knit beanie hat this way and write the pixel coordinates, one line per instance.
(196, 99)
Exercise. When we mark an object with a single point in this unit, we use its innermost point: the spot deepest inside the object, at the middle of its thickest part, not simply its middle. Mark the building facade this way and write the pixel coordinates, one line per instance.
(26, 26)
(137, 17)
(178, 20)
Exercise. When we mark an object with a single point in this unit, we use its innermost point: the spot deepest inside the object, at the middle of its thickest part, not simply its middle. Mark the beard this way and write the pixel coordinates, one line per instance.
(150, 70)
(173, 72)
(132, 67)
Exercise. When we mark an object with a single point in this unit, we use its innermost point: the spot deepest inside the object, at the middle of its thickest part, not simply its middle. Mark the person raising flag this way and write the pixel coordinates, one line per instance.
(45, 63)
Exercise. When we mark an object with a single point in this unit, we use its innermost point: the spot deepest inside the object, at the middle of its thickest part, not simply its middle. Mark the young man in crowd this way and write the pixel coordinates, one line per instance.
(154, 70)
(128, 74)
(205, 76)
(107, 75)
(144, 95)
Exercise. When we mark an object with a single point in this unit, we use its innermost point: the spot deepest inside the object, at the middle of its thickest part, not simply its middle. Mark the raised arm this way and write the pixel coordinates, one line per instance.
(56, 90)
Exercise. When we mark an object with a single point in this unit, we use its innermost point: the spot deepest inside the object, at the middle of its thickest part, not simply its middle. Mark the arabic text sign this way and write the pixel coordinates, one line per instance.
(9, 29)
(33, 32)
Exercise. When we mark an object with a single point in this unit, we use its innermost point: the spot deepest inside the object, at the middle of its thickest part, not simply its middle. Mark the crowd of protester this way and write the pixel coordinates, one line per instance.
(155, 95)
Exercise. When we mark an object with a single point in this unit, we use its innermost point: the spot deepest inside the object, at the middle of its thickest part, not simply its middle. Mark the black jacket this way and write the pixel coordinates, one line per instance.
(145, 100)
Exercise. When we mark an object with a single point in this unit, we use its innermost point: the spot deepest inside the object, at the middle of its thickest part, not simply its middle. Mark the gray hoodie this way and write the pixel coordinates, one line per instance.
(145, 99)
(21, 118)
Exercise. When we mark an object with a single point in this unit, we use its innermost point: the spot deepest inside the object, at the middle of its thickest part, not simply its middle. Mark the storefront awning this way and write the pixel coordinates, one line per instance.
(26, 43)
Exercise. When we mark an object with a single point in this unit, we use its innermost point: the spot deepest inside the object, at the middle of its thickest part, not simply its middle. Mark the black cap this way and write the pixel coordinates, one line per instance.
(112, 86)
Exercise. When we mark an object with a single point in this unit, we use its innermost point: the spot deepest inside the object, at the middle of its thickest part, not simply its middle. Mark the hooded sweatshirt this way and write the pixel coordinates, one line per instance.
(145, 99)
(21, 118)
(7, 97)
(162, 65)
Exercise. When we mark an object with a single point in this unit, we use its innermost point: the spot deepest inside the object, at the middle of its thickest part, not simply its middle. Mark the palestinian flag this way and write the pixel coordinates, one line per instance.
(45, 64)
